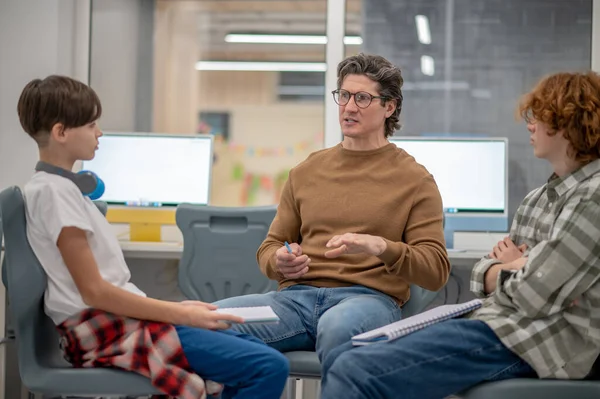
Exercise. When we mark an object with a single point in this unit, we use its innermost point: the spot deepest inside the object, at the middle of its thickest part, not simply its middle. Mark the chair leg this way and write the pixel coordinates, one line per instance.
(310, 388)
(290, 389)
(299, 391)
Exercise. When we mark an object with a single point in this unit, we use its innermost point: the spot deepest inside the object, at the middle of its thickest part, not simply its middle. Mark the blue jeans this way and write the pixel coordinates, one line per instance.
(433, 363)
(318, 319)
(246, 366)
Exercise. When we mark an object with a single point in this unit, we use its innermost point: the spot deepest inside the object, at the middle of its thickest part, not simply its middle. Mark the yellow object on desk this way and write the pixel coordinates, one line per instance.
(144, 224)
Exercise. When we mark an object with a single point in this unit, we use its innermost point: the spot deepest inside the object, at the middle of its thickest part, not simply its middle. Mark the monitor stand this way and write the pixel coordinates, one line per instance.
(449, 237)
(144, 232)
(144, 223)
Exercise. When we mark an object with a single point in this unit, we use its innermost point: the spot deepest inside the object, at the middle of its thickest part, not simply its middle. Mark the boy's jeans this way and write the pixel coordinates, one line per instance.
(246, 366)
(318, 319)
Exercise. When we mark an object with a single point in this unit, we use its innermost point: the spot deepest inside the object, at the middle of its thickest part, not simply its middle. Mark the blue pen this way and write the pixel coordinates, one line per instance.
(288, 247)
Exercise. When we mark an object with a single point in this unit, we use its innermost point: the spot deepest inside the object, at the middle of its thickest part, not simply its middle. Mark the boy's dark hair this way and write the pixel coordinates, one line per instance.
(56, 99)
(568, 102)
(380, 70)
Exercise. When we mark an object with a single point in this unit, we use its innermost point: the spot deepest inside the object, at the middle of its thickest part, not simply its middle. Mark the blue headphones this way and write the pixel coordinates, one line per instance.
(88, 182)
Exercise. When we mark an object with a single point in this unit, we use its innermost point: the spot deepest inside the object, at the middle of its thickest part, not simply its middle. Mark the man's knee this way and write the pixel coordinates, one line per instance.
(333, 330)
(345, 320)
(334, 326)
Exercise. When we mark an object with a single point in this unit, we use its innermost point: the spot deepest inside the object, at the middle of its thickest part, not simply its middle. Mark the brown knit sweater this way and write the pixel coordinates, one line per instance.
(382, 192)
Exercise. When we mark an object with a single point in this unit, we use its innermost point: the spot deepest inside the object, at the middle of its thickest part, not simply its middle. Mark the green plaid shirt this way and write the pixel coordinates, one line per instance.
(548, 313)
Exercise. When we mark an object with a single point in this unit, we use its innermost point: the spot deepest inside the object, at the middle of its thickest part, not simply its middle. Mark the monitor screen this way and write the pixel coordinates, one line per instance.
(471, 173)
(153, 170)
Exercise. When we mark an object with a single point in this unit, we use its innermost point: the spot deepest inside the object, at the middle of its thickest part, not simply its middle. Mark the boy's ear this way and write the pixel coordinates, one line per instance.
(58, 132)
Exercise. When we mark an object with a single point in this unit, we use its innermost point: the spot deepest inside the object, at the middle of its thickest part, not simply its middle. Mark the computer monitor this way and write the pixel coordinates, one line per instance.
(153, 170)
(472, 176)
(147, 175)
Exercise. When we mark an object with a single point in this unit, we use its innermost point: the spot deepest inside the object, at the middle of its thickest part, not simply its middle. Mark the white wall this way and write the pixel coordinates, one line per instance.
(113, 60)
(37, 38)
(596, 35)
(121, 62)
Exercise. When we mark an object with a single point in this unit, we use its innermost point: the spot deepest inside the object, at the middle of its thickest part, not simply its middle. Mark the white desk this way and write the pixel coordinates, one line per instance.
(152, 250)
(466, 254)
(173, 250)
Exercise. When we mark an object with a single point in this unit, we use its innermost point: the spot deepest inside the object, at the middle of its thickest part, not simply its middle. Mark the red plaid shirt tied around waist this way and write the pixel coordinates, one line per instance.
(94, 338)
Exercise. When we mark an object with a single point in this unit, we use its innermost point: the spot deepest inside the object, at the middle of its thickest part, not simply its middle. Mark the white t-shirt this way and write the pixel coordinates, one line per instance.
(53, 202)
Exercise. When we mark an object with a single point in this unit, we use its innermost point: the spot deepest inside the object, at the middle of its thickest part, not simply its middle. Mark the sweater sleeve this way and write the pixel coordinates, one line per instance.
(421, 257)
(285, 227)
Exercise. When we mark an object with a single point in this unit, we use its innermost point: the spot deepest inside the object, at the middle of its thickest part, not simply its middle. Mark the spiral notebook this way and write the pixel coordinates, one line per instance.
(253, 314)
(411, 324)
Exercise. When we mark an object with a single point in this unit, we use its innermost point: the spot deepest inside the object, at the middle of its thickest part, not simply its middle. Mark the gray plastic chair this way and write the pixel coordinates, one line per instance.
(41, 366)
(420, 298)
(4, 276)
(102, 207)
(9, 334)
(219, 251)
(533, 388)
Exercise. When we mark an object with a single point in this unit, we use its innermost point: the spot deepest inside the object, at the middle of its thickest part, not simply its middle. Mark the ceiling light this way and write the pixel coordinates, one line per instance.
(261, 66)
(353, 40)
(423, 32)
(427, 65)
(286, 39)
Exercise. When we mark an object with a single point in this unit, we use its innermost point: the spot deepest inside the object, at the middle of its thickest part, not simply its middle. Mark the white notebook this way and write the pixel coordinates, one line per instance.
(254, 314)
(411, 324)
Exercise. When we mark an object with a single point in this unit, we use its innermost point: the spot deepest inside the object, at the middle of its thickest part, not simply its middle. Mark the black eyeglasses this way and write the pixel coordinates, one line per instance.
(362, 99)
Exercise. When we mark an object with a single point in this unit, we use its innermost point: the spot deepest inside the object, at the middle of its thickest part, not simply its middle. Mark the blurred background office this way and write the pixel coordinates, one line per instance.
(252, 74)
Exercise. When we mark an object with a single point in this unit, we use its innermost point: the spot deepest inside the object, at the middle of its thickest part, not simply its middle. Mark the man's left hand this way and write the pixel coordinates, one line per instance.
(350, 243)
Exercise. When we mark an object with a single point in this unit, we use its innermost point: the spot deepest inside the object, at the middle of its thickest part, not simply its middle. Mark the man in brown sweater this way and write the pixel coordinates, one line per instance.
(363, 220)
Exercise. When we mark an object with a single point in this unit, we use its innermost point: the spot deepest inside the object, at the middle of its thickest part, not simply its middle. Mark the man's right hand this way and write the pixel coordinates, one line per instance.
(291, 265)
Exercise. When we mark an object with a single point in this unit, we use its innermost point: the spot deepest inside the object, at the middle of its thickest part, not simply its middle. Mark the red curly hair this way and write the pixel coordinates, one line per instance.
(568, 103)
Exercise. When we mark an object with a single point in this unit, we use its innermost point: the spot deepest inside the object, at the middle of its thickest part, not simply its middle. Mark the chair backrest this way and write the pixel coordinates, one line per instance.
(219, 251)
(4, 278)
(420, 298)
(26, 284)
(102, 207)
(37, 338)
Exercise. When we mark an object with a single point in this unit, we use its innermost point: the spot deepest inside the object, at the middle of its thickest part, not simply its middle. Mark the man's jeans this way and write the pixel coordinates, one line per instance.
(433, 363)
(317, 318)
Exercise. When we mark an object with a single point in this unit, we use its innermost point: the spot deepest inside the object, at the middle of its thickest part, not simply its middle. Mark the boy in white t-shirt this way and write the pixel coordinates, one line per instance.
(88, 277)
